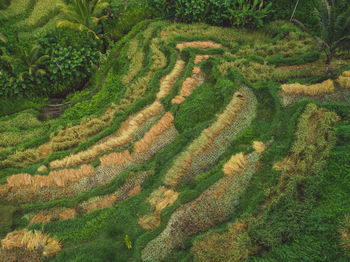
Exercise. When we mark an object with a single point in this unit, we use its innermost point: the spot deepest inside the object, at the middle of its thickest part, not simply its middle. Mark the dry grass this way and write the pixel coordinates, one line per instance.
(123, 136)
(344, 79)
(187, 88)
(212, 207)
(233, 245)
(205, 148)
(199, 44)
(259, 147)
(116, 158)
(325, 87)
(67, 214)
(200, 58)
(154, 133)
(42, 169)
(168, 81)
(59, 178)
(40, 218)
(234, 165)
(32, 241)
(159, 199)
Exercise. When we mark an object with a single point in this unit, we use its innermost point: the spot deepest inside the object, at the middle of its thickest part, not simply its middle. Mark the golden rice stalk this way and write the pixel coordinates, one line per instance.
(116, 158)
(234, 165)
(32, 241)
(259, 146)
(120, 138)
(168, 81)
(40, 218)
(135, 67)
(200, 58)
(133, 46)
(42, 169)
(150, 222)
(68, 213)
(187, 88)
(59, 178)
(325, 87)
(343, 81)
(153, 134)
(162, 198)
(346, 74)
(196, 70)
(104, 202)
(204, 141)
(199, 44)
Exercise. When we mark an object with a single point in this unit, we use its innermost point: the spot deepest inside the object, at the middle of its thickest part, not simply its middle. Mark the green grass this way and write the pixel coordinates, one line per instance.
(292, 215)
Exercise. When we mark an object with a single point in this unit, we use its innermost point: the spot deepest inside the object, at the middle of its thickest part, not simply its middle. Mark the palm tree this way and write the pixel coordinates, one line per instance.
(29, 62)
(83, 15)
(335, 29)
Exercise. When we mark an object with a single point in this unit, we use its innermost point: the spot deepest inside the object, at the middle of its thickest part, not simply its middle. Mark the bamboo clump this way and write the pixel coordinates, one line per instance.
(325, 87)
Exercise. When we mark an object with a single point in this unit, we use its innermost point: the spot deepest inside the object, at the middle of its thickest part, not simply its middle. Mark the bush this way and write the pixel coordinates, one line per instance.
(241, 13)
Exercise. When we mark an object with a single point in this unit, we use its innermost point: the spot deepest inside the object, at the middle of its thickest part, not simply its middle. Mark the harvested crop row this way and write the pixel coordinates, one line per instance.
(344, 79)
(325, 87)
(189, 85)
(168, 81)
(32, 241)
(118, 158)
(213, 141)
(212, 207)
(122, 137)
(159, 199)
(199, 44)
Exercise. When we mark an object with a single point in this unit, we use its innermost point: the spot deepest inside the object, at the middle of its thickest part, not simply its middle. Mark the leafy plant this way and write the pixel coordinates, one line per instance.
(83, 15)
(248, 13)
(334, 29)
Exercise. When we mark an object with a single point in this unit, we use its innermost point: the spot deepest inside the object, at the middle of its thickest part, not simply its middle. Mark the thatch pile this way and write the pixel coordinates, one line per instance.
(32, 241)
(259, 147)
(199, 44)
(123, 136)
(234, 165)
(59, 178)
(325, 87)
(168, 81)
(154, 133)
(117, 158)
(344, 79)
(159, 199)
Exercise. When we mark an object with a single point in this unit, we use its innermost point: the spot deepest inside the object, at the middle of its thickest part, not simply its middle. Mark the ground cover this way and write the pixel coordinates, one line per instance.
(188, 151)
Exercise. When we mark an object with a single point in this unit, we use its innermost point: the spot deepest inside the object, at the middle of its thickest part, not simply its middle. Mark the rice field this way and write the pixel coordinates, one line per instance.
(192, 160)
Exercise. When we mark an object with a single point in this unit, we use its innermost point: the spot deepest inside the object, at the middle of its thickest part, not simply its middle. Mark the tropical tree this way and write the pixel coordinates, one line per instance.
(28, 63)
(334, 29)
(83, 15)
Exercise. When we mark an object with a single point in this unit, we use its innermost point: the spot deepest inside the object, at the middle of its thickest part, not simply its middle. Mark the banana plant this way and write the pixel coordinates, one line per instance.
(334, 29)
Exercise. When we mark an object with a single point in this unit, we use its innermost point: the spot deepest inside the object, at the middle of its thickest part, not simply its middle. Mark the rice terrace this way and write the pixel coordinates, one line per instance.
(174, 130)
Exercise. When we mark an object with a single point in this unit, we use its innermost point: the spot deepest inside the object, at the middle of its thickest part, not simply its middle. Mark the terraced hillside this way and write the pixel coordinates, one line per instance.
(203, 144)
(33, 16)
